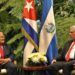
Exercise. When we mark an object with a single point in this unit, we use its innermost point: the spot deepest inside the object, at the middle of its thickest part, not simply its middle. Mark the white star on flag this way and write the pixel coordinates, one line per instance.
(29, 5)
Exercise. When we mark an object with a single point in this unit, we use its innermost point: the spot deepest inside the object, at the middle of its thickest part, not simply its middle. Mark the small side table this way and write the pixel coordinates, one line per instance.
(36, 70)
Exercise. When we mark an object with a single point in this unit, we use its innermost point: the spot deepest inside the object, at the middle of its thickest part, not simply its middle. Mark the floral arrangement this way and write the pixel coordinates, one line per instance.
(36, 59)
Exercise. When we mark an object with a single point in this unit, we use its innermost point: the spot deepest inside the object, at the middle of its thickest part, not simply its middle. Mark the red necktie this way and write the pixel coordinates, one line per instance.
(1, 52)
(67, 57)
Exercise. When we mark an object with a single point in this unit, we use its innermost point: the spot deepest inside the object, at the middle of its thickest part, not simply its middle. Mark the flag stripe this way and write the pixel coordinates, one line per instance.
(33, 24)
(26, 40)
(30, 31)
(27, 51)
(30, 39)
(52, 49)
(47, 5)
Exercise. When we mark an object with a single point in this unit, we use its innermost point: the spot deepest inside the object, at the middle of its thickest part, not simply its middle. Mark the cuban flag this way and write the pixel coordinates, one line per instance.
(29, 29)
(48, 43)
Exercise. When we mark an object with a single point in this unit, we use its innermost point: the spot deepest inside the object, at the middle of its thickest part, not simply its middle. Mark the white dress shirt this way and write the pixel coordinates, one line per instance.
(72, 52)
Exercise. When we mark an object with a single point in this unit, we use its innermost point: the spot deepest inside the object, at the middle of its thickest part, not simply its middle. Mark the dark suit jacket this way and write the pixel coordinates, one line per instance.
(8, 53)
(64, 50)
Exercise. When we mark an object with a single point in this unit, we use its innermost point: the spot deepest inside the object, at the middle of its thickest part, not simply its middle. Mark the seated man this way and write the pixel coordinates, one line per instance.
(68, 53)
(6, 56)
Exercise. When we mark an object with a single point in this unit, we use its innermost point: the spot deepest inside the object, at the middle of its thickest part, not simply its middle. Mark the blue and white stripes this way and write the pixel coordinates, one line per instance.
(48, 41)
(29, 29)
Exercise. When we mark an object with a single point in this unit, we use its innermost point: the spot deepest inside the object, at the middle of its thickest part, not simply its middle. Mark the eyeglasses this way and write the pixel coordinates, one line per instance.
(72, 32)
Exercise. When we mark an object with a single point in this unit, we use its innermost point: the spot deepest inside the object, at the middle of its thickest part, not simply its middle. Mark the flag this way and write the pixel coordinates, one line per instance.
(29, 29)
(48, 42)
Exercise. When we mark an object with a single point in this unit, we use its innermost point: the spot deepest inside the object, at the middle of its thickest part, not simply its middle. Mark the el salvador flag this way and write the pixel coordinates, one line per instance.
(29, 29)
(48, 43)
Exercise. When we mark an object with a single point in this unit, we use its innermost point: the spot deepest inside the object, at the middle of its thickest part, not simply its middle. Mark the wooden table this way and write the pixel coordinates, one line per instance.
(38, 70)
(34, 70)
(42, 70)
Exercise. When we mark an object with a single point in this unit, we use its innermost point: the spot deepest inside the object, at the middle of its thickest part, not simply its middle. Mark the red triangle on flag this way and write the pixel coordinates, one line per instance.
(29, 10)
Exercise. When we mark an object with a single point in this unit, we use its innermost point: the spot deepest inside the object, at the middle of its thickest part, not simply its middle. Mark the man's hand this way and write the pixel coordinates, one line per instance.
(1, 61)
(6, 60)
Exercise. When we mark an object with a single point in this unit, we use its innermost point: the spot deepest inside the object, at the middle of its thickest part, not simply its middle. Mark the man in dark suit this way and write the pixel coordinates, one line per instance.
(6, 56)
(68, 53)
